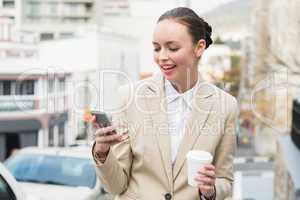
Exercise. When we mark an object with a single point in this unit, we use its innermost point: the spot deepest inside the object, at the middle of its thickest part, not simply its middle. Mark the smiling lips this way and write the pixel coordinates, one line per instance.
(167, 67)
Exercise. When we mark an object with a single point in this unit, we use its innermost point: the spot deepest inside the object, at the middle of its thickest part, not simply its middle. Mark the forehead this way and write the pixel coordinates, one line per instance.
(170, 30)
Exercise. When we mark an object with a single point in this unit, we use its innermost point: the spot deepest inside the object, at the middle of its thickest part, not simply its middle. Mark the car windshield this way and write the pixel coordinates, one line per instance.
(51, 169)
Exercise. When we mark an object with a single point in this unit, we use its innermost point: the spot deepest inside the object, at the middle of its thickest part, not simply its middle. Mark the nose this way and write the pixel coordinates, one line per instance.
(163, 55)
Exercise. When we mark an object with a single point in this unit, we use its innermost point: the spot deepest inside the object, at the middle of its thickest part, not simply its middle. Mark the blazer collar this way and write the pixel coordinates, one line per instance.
(202, 105)
(157, 81)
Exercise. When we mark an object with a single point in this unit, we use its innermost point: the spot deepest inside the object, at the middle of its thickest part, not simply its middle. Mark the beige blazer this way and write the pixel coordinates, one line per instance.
(140, 168)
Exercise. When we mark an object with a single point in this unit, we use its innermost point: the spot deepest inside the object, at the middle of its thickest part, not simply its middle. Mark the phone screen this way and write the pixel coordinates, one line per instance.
(102, 118)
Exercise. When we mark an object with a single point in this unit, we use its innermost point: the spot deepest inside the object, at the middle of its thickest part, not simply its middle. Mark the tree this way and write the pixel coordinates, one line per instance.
(218, 40)
(233, 75)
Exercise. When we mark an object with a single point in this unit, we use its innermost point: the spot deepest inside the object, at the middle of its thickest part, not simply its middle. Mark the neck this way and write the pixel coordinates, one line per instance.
(185, 84)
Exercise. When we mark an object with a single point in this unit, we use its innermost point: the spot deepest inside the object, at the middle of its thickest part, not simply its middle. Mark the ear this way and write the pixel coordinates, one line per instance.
(200, 47)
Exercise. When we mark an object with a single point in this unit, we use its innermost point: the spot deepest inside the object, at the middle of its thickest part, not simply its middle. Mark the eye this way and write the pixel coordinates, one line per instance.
(173, 49)
(156, 49)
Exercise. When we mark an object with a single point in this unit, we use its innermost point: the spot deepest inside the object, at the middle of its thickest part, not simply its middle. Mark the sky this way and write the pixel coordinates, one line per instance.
(206, 5)
(149, 8)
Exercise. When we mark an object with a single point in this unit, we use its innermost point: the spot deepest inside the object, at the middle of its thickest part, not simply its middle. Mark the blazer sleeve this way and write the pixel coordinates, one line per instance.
(114, 173)
(225, 153)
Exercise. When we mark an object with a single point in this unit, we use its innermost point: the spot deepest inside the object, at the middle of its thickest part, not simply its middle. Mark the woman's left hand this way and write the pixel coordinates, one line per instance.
(206, 180)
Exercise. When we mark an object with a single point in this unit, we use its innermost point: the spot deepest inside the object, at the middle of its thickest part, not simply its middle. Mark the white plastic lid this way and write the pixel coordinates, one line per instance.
(200, 155)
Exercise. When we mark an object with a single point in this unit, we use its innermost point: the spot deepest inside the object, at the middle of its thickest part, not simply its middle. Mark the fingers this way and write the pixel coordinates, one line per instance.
(124, 137)
(108, 135)
(206, 179)
(210, 174)
(109, 138)
(209, 167)
(202, 180)
(105, 131)
(207, 170)
(207, 190)
(206, 176)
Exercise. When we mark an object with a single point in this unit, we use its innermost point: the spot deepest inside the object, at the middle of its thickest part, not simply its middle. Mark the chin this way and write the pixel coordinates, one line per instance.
(170, 77)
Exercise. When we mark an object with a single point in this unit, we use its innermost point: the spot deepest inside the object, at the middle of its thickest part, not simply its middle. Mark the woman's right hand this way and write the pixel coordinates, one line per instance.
(106, 137)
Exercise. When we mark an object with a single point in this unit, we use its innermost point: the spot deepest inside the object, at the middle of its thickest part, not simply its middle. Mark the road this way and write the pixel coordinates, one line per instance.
(254, 175)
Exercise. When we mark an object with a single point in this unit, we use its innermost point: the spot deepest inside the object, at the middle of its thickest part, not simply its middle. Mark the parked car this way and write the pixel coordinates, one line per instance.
(56, 173)
(10, 188)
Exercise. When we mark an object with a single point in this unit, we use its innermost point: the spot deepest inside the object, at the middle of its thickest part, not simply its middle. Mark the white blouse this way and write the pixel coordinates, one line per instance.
(179, 108)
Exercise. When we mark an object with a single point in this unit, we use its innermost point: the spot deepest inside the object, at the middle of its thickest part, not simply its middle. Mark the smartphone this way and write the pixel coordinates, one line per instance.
(102, 118)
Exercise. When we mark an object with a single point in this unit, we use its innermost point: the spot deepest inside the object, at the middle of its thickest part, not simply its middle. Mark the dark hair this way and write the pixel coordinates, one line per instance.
(197, 27)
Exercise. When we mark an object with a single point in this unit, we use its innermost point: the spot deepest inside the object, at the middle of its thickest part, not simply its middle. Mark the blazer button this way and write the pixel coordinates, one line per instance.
(168, 196)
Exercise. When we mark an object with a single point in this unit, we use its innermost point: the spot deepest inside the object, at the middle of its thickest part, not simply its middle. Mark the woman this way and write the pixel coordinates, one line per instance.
(166, 116)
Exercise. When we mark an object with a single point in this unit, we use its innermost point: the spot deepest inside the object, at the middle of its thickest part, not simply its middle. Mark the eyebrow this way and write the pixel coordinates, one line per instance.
(169, 42)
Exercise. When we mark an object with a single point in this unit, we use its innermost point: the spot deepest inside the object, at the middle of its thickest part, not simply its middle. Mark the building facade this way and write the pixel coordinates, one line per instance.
(109, 60)
(47, 20)
(33, 106)
(55, 19)
(116, 8)
(7, 20)
(42, 106)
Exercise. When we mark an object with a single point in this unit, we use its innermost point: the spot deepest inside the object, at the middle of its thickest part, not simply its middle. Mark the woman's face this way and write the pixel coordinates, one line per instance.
(174, 50)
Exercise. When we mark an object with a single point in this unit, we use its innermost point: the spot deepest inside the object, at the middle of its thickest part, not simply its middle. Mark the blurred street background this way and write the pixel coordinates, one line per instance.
(62, 58)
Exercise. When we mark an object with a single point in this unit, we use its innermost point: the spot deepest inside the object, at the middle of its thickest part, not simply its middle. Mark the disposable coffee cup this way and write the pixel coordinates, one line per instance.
(195, 160)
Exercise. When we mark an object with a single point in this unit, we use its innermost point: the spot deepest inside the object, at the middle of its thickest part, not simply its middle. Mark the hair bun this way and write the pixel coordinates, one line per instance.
(208, 31)
(208, 28)
(197, 27)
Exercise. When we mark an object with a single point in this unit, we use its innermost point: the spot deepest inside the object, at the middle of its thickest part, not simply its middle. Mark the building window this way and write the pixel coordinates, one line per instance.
(51, 136)
(88, 7)
(66, 35)
(5, 87)
(33, 9)
(46, 36)
(61, 85)
(13, 53)
(50, 85)
(73, 9)
(53, 8)
(10, 87)
(61, 134)
(1, 87)
(29, 54)
(6, 29)
(8, 3)
(25, 87)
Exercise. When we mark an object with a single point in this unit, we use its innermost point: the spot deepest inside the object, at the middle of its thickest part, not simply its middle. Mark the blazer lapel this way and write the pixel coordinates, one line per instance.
(201, 107)
(156, 103)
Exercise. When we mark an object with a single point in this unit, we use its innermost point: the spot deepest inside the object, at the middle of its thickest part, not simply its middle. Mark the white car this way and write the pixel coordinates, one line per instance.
(10, 188)
(56, 173)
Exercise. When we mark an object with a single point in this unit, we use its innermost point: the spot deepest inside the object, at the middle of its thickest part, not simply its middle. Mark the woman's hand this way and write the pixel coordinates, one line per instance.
(104, 138)
(206, 180)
